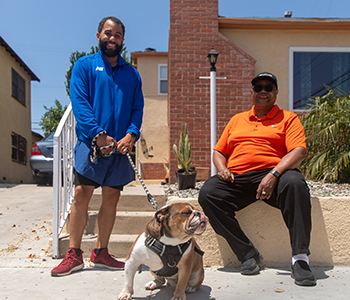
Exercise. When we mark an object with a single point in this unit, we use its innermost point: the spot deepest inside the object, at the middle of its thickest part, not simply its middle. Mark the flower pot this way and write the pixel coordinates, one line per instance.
(186, 181)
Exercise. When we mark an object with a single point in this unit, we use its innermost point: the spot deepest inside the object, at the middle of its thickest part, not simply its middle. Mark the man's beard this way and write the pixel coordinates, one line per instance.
(108, 52)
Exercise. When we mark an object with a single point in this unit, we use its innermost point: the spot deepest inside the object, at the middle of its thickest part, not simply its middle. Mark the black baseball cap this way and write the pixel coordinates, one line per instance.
(265, 76)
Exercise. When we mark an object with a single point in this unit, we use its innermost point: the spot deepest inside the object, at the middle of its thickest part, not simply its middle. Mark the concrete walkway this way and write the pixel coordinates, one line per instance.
(25, 264)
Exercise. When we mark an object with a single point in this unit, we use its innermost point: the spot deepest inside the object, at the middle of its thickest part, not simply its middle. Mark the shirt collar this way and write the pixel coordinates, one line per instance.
(121, 61)
(270, 115)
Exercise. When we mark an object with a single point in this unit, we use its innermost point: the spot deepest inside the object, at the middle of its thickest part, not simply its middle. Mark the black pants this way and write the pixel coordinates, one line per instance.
(220, 200)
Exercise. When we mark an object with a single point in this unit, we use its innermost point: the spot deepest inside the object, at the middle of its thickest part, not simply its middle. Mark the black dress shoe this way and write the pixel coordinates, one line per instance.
(251, 266)
(302, 274)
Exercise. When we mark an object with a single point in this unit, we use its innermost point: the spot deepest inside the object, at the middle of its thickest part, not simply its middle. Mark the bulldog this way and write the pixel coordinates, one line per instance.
(167, 246)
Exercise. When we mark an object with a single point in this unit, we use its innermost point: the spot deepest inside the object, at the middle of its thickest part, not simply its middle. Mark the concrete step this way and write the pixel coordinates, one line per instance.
(133, 198)
(119, 244)
(134, 211)
(132, 222)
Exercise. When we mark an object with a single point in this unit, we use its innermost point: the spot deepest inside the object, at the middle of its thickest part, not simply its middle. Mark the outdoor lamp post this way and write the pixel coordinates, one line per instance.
(212, 58)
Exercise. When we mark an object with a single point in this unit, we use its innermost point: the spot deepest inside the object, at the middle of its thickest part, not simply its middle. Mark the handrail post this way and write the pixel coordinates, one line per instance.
(63, 162)
(56, 198)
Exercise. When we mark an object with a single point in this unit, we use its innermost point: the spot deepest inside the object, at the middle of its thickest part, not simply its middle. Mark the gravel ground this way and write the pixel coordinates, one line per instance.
(317, 189)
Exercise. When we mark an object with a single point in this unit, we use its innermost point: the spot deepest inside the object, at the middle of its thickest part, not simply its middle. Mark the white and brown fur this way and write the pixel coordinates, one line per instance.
(173, 224)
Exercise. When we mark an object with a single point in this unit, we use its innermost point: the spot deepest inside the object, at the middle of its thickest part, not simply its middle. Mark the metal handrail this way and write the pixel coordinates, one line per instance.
(64, 141)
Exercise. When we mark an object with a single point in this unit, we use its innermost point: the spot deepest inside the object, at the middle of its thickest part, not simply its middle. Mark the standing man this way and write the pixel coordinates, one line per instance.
(107, 102)
(257, 158)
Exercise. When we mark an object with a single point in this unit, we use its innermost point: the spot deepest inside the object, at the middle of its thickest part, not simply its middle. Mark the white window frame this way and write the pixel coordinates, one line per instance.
(291, 64)
(162, 79)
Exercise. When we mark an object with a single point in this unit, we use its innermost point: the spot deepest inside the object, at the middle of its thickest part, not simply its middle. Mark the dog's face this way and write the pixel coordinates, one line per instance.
(180, 220)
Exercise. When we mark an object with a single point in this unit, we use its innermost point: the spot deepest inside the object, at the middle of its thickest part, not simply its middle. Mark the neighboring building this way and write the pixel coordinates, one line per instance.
(152, 148)
(15, 117)
(304, 54)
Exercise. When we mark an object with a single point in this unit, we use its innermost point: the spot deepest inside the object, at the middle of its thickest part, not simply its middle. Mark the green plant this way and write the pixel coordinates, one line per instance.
(184, 153)
(327, 131)
(51, 118)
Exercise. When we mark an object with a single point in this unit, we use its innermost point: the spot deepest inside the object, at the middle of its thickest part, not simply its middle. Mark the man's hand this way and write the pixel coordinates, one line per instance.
(225, 175)
(125, 145)
(266, 187)
(105, 140)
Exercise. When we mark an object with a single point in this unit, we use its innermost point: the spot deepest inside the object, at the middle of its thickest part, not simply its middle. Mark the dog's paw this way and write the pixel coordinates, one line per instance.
(154, 284)
(124, 296)
(190, 289)
(151, 285)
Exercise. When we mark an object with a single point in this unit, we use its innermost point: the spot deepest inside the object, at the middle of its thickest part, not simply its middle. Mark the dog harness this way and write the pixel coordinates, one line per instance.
(170, 255)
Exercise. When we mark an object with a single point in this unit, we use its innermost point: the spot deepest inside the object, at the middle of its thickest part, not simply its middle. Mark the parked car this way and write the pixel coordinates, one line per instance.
(41, 159)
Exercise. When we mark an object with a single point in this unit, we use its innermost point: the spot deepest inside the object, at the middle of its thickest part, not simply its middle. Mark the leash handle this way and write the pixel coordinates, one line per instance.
(149, 196)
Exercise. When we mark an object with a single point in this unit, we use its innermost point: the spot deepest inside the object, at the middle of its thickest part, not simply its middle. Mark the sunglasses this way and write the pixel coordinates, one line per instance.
(259, 87)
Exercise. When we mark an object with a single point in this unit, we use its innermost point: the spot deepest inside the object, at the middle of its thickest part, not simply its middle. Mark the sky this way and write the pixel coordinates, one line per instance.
(44, 33)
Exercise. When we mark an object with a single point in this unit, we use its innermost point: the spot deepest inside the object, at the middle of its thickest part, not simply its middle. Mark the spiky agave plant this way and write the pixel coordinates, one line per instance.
(327, 130)
(184, 153)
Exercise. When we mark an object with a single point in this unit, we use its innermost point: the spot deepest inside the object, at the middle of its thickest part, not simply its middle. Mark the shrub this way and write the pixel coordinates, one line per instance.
(327, 130)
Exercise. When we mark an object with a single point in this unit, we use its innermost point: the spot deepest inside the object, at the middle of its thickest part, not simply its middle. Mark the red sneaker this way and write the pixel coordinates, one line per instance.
(69, 264)
(105, 260)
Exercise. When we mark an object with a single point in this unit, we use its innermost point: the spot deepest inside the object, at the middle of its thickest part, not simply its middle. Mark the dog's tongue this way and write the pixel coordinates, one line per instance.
(204, 221)
(204, 218)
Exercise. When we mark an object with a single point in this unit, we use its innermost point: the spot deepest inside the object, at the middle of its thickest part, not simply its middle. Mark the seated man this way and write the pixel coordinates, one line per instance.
(257, 158)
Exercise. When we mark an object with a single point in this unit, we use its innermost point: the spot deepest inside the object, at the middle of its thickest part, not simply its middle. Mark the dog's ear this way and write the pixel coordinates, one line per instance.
(160, 214)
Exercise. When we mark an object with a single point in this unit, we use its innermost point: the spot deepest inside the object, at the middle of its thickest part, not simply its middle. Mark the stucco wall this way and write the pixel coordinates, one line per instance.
(270, 48)
(264, 225)
(153, 145)
(14, 117)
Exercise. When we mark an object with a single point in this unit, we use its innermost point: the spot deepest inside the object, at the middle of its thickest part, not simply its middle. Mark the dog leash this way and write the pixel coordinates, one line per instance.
(149, 196)
(95, 153)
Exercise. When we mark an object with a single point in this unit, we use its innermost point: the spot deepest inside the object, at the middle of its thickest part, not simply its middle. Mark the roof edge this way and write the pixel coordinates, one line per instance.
(18, 59)
(284, 23)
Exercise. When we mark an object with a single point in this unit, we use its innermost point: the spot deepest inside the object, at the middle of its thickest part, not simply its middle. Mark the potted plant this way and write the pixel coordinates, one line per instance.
(185, 175)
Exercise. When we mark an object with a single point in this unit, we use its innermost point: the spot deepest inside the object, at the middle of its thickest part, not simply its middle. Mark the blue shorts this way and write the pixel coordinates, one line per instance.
(111, 171)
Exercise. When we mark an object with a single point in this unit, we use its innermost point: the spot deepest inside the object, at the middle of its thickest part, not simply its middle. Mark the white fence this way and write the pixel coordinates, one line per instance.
(64, 141)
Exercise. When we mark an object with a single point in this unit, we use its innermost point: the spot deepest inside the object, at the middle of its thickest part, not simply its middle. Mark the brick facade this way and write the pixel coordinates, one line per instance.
(153, 171)
(193, 31)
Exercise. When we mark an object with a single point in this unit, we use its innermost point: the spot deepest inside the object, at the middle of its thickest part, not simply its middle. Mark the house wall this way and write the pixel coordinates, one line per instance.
(14, 117)
(246, 47)
(152, 147)
(193, 31)
(275, 59)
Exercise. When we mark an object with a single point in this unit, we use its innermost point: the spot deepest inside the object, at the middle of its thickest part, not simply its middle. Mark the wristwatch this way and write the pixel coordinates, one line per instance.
(133, 135)
(275, 173)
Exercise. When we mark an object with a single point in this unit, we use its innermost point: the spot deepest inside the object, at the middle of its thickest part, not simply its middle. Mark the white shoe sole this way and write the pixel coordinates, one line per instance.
(77, 268)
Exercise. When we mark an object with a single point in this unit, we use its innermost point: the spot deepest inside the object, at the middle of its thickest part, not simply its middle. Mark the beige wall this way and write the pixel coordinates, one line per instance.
(264, 225)
(14, 117)
(154, 139)
(270, 48)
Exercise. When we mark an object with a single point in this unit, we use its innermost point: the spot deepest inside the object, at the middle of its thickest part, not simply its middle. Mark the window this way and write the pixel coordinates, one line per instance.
(162, 79)
(18, 87)
(19, 146)
(312, 69)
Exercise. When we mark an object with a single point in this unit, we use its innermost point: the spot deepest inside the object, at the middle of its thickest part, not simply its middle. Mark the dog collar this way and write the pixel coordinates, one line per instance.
(170, 255)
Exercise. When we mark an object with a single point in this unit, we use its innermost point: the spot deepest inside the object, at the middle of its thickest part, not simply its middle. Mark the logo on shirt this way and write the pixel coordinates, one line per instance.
(99, 69)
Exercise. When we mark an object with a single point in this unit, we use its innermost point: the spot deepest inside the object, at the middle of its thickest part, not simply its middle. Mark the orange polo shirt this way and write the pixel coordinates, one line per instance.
(253, 144)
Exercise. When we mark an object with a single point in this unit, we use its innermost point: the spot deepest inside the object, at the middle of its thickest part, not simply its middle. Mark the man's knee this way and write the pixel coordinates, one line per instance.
(202, 197)
(206, 190)
(110, 196)
(82, 194)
